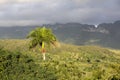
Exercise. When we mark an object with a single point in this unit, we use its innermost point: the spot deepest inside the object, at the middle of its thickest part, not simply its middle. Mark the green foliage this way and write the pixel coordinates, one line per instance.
(40, 35)
(14, 66)
(68, 62)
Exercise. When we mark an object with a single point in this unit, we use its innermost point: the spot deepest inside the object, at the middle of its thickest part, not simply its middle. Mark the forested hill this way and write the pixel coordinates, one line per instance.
(106, 34)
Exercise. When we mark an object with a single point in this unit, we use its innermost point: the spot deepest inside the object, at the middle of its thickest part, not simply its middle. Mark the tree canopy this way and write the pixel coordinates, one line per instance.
(41, 36)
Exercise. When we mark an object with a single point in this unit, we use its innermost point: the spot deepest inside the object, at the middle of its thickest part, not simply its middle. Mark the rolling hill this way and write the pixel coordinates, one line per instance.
(67, 62)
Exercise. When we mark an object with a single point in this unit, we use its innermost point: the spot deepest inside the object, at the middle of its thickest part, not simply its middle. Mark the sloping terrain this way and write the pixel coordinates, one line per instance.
(67, 62)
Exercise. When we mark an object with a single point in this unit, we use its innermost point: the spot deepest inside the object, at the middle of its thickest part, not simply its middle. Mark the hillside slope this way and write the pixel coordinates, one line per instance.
(68, 62)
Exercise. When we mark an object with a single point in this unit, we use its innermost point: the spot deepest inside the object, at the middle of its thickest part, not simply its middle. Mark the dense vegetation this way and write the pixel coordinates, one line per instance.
(67, 62)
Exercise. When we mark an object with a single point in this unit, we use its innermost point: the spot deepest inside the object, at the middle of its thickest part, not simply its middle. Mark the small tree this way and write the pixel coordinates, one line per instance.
(41, 36)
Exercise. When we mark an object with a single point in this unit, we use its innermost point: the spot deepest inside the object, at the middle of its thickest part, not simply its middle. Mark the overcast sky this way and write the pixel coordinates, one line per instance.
(35, 12)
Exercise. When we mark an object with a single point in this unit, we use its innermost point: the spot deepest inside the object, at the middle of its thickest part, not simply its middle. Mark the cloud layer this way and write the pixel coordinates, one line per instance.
(35, 12)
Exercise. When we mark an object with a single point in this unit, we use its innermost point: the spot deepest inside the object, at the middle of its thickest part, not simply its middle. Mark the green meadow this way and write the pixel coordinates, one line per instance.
(65, 62)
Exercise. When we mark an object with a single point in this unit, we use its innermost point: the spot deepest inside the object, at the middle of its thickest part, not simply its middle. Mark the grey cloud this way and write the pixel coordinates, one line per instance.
(52, 11)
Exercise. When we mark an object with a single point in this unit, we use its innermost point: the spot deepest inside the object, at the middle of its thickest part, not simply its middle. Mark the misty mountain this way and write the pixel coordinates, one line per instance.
(106, 34)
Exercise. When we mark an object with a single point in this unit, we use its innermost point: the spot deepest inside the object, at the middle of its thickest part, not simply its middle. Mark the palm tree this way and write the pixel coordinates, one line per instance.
(41, 36)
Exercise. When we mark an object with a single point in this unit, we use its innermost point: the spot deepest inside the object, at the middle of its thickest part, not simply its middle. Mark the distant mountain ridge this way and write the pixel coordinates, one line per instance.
(106, 34)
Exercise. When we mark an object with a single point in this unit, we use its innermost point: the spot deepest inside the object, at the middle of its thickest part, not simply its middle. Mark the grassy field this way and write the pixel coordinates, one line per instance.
(67, 62)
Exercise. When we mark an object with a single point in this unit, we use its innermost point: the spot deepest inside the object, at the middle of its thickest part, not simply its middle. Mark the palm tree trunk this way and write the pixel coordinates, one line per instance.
(43, 56)
(43, 50)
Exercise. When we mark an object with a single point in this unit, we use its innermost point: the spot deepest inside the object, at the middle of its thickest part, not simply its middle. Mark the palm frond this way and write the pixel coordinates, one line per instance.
(41, 34)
